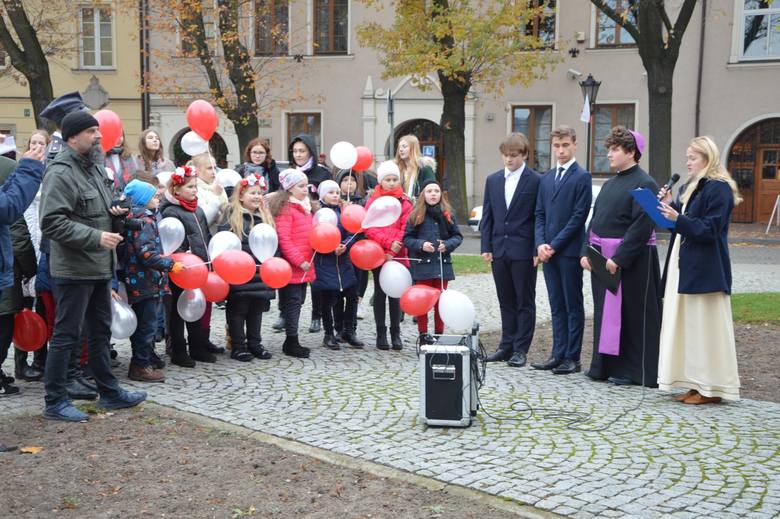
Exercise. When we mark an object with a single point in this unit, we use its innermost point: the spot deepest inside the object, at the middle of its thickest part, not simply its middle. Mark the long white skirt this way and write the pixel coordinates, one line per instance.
(697, 349)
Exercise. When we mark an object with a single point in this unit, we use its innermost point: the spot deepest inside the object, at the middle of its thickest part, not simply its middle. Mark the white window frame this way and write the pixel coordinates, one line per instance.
(96, 37)
(738, 33)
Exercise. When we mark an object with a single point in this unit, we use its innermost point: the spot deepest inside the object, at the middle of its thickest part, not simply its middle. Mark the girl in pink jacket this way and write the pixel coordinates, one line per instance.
(291, 207)
(391, 238)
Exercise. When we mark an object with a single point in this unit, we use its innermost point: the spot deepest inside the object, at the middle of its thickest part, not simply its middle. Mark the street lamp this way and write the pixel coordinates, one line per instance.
(590, 89)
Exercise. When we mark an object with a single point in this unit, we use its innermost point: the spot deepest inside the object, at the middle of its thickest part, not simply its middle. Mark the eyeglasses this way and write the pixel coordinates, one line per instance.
(261, 152)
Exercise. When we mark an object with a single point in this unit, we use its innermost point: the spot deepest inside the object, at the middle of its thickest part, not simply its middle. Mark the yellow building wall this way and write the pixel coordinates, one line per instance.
(121, 82)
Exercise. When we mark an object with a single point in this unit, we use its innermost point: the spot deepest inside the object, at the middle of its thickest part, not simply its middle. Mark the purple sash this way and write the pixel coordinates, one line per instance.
(609, 338)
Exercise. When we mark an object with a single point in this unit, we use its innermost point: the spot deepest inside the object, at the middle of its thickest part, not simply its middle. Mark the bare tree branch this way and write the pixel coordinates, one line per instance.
(617, 17)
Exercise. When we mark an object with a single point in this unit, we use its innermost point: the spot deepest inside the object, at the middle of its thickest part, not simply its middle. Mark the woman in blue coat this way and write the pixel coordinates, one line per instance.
(697, 350)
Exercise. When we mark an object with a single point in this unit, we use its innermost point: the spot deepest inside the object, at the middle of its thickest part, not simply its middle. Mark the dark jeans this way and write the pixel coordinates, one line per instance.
(160, 315)
(74, 301)
(291, 298)
(6, 335)
(316, 303)
(379, 306)
(516, 290)
(337, 314)
(245, 313)
(362, 277)
(142, 340)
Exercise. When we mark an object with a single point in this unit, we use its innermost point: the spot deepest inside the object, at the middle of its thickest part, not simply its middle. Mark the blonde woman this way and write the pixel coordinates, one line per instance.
(697, 333)
(211, 195)
(415, 168)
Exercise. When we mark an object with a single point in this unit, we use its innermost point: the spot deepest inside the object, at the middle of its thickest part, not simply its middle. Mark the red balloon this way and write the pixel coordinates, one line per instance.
(352, 217)
(29, 330)
(367, 254)
(275, 272)
(195, 273)
(110, 126)
(235, 266)
(364, 160)
(419, 299)
(324, 237)
(202, 118)
(215, 289)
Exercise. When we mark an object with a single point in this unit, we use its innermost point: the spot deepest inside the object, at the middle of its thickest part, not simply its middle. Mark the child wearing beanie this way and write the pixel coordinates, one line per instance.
(336, 280)
(144, 274)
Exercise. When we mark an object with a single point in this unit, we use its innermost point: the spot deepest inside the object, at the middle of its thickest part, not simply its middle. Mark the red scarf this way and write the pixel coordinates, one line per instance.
(190, 206)
(398, 192)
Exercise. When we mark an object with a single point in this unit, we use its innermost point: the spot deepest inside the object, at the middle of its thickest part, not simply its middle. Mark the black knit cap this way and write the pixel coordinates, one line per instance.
(427, 183)
(76, 122)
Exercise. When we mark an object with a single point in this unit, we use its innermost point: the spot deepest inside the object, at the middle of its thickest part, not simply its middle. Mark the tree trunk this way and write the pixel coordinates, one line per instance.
(41, 94)
(659, 89)
(247, 128)
(453, 123)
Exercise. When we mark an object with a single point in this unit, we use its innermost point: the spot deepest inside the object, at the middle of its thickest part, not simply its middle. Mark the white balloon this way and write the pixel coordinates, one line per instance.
(394, 279)
(193, 144)
(171, 234)
(456, 310)
(211, 211)
(263, 241)
(343, 155)
(191, 305)
(384, 211)
(123, 320)
(163, 177)
(228, 178)
(222, 241)
(326, 215)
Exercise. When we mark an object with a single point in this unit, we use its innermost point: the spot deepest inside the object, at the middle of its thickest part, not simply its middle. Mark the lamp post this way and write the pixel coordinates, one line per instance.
(590, 89)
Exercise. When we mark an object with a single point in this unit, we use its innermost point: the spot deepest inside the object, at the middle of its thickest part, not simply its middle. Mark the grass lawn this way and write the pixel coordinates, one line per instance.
(469, 264)
(756, 308)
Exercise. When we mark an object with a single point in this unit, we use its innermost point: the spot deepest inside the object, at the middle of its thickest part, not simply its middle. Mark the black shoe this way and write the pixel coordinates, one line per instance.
(395, 340)
(426, 338)
(381, 338)
(517, 360)
(86, 383)
(498, 356)
(202, 355)
(567, 366)
(113, 352)
(213, 348)
(292, 348)
(182, 359)
(352, 339)
(621, 381)
(77, 391)
(316, 326)
(278, 326)
(28, 373)
(329, 341)
(260, 352)
(549, 364)
(157, 362)
(6, 385)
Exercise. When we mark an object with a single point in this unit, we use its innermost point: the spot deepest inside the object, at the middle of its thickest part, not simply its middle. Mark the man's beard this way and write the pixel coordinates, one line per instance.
(96, 155)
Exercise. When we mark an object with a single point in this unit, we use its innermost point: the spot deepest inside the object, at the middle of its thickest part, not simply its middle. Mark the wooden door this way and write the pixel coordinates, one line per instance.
(768, 182)
(742, 166)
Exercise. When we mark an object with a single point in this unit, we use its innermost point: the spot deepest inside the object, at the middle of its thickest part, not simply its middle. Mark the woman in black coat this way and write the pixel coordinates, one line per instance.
(697, 349)
(258, 161)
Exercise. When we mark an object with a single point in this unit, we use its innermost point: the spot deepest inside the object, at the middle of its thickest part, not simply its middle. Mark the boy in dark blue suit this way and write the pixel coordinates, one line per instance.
(562, 207)
(508, 243)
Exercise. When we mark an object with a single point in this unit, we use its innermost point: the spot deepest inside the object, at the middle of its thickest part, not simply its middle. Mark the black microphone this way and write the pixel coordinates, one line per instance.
(672, 181)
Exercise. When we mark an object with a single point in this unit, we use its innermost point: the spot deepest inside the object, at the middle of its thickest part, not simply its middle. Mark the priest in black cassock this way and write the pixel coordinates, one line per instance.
(627, 324)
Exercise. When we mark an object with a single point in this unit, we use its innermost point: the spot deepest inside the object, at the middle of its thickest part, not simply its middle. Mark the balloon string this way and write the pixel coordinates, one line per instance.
(310, 263)
(408, 259)
(197, 264)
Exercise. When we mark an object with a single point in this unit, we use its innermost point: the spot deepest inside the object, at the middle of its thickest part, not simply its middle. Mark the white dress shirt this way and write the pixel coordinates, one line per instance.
(511, 178)
(564, 166)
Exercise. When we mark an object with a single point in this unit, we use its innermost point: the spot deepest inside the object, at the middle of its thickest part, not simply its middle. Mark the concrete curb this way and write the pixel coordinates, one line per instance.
(376, 469)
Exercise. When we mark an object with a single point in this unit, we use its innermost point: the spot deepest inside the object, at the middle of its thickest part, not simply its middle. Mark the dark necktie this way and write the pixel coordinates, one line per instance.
(559, 176)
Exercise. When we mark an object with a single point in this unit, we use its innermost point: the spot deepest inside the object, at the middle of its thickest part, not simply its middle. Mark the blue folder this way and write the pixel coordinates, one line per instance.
(651, 205)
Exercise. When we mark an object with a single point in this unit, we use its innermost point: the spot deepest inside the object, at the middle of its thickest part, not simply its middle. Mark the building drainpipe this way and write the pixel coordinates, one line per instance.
(701, 67)
(143, 8)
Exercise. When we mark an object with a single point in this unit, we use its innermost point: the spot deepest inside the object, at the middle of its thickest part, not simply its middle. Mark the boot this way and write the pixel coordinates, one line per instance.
(198, 342)
(292, 348)
(316, 325)
(213, 348)
(350, 338)
(145, 374)
(6, 385)
(426, 338)
(22, 370)
(329, 341)
(395, 339)
(381, 338)
(39, 357)
(180, 357)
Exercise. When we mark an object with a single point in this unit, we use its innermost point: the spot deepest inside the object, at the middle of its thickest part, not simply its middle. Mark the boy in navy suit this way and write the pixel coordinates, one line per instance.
(562, 207)
(508, 243)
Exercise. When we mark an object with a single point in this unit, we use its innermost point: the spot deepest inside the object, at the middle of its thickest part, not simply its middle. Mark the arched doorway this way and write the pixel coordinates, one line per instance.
(431, 143)
(217, 145)
(754, 162)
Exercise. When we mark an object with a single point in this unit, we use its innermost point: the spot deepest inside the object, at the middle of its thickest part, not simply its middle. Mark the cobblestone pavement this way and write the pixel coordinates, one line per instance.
(547, 441)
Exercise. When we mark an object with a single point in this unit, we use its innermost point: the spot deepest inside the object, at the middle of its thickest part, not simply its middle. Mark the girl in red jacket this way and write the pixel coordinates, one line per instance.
(391, 238)
(291, 208)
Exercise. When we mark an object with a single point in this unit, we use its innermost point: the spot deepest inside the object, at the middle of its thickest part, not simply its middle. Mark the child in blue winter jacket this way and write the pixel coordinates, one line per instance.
(336, 278)
(144, 274)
